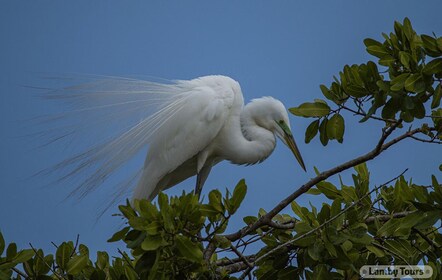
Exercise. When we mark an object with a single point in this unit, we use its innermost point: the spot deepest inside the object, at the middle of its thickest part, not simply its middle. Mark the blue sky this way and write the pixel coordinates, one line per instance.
(285, 49)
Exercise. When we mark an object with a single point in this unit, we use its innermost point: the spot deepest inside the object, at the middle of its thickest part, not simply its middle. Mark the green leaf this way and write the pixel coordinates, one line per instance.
(24, 255)
(297, 209)
(63, 254)
(317, 109)
(153, 242)
(119, 235)
(336, 127)
(405, 59)
(222, 241)
(329, 190)
(397, 83)
(313, 191)
(378, 252)
(323, 132)
(102, 260)
(356, 91)
(289, 272)
(11, 251)
(249, 219)
(311, 131)
(327, 93)
(188, 250)
(2, 244)
(434, 103)
(130, 273)
(215, 200)
(209, 211)
(76, 264)
(387, 60)
(238, 196)
(321, 272)
(378, 51)
(315, 252)
(371, 42)
(433, 67)
(415, 83)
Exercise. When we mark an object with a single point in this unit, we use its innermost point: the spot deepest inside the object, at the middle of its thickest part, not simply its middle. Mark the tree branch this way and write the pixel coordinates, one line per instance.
(384, 218)
(380, 147)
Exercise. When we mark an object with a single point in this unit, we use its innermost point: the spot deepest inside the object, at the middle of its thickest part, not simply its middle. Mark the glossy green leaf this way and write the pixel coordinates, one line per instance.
(288, 273)
(336, 127)
(102, 260)
(405, 58)
(316, 251)
(153, 242)
(387, 60)
(76, 264)
(327, 93)
(415, 83)
(378, 252)
(188, 250)
(311, 131)
(11, 251)
(433, 67)
(317, 109)
(24, 255)
(63, 254)
(328, 189)
(398, 82)
(209, 211)
(119, 235)
(130, 273)
(297, 209)
(238, 196)
(215, 200)
(323, 132)
(419, 110)
(436, 97)
(378, 51)
(2, 244)
(371, 42)
(356, 90)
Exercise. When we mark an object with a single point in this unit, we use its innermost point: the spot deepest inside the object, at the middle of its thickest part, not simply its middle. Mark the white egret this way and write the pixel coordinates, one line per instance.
(188, 127)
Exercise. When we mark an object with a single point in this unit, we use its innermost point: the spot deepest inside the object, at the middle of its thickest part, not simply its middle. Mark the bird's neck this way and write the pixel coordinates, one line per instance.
(254, 143)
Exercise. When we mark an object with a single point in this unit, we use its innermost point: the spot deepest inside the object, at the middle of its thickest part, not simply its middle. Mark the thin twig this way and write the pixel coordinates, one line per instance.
(241, 256)
(390, 251)
(428, 240)
(387, 217)
(432, 141)
(22, 274)
(44, 261)
(371, 117)
(128, 261)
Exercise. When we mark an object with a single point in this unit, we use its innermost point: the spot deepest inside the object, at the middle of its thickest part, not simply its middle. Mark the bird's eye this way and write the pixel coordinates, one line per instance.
(281, 122)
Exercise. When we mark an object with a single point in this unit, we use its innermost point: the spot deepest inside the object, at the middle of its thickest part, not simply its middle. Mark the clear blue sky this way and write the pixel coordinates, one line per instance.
(279, 48)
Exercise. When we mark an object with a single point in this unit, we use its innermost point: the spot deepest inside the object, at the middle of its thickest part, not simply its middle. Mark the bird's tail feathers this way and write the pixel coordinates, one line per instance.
(118, 115)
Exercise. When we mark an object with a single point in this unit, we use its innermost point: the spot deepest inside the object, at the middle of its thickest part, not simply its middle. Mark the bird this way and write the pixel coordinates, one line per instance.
(187, 127)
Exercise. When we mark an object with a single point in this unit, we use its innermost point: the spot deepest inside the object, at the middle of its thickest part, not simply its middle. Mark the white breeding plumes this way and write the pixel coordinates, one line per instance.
(187, 126)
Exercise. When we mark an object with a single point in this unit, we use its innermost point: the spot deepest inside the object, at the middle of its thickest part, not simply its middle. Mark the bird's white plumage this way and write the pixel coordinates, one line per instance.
(206, 107)
(187, 126)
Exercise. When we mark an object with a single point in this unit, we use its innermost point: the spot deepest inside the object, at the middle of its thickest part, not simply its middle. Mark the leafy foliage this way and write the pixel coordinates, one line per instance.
(412, 76)
(359, 223)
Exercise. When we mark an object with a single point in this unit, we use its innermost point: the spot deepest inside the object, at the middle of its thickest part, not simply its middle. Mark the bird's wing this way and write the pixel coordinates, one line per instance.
(123, 116)
(191, 128)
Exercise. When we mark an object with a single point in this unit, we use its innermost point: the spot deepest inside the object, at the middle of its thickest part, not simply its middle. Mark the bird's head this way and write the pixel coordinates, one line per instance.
(277, 120)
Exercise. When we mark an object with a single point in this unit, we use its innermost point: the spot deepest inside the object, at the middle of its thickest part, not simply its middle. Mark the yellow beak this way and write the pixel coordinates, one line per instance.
(292, 145)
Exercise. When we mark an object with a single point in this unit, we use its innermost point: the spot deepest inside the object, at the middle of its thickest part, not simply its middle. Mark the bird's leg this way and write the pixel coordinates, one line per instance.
(198, 186)
(201, 179)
